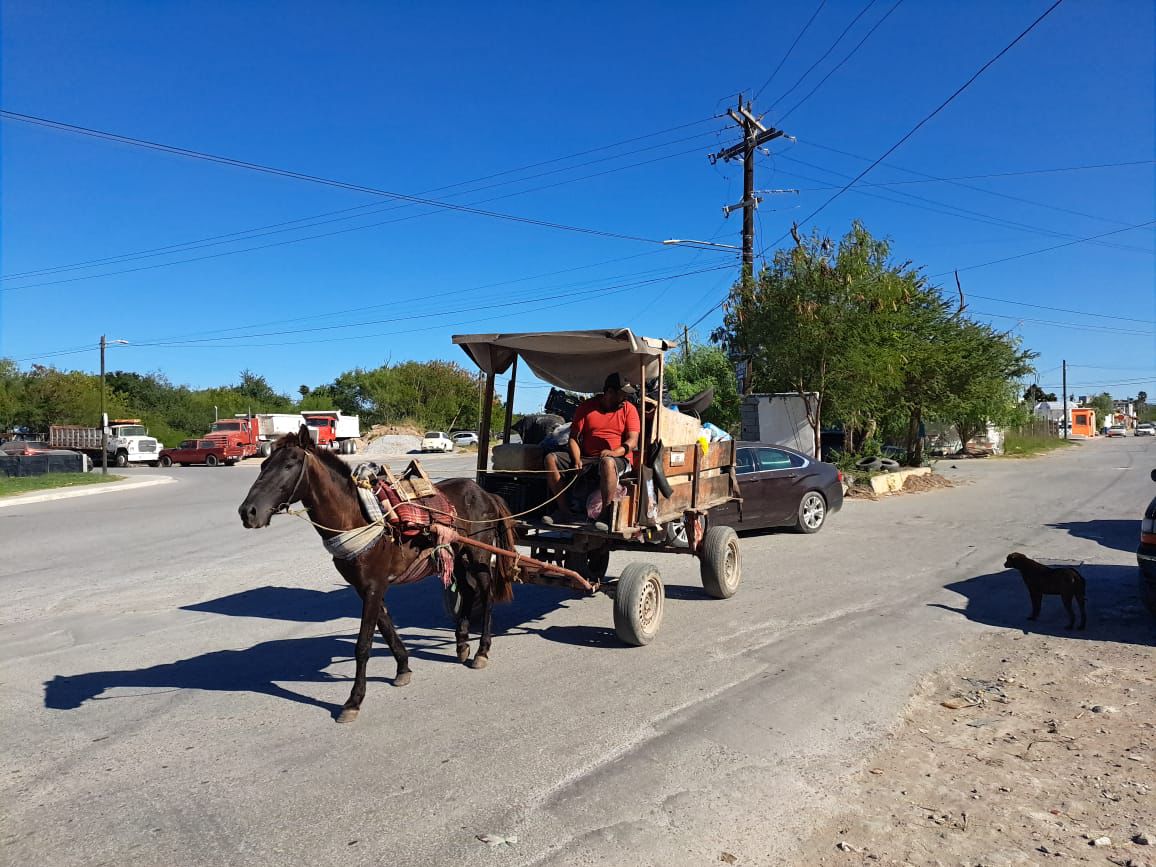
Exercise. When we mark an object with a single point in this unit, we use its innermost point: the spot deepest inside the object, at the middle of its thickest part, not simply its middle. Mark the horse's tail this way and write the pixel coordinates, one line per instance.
(506, 572)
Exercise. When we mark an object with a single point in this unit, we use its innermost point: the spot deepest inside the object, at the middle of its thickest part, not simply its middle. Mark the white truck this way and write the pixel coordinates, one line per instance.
(128, 442)
(272, 425)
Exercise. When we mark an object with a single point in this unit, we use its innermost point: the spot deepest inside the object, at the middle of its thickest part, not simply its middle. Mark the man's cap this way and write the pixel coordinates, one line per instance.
(614, 382)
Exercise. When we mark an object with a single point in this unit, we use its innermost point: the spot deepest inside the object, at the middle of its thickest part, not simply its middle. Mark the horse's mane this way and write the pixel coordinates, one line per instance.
(334, 463)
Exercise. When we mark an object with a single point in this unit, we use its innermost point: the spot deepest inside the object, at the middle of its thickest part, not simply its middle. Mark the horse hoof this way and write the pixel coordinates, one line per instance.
(463, 655)
(348, 714)
(479, 662)
(403, 677)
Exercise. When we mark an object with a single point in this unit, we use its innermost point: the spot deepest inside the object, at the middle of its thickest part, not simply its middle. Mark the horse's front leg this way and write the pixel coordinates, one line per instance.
(371, 608)
(389, 633)
(462, 627)
(485, 590)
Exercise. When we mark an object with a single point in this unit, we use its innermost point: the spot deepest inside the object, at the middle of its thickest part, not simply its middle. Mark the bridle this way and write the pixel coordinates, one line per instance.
(293, 495)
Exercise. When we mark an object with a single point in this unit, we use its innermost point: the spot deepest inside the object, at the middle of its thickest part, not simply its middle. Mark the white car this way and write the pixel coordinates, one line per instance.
(436, 441)
(465, 438)
(1147, 429)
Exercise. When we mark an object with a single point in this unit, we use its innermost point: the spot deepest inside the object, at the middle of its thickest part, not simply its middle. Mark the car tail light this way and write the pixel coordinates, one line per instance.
(839, 473)
(1148, 531)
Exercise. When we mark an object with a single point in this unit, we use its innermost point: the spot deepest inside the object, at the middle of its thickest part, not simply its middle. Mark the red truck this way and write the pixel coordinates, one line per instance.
(209, 452)
(331, 429)
(236, 433)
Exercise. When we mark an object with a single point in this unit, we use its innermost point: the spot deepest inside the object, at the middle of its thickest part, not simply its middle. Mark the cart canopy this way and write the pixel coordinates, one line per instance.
(574, 360)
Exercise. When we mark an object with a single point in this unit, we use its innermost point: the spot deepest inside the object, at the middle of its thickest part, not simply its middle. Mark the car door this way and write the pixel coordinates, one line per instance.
(781, 480)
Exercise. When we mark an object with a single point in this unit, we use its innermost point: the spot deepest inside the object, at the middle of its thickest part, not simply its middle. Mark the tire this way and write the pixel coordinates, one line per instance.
(812, 513)
(211, 461)
(721, 562)
(347, 447)
(868, 463)
(154, 463)
(888, 465)
(265, 450)
(166, 461)
(676, 533)
(121, 459)
(638, 601)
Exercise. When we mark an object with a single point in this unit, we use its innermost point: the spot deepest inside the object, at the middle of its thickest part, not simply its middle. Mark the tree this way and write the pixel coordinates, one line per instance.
(11, 393)
(1102, 404)
(702, 367)
(1035, 394)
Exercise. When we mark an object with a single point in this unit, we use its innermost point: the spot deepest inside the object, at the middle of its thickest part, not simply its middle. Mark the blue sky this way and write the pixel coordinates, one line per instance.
(412, 100)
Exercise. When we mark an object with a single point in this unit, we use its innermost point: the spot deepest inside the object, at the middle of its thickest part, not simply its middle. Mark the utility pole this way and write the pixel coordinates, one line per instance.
(1066, 425)
(685, 343)
(754, 136)
(103, 424)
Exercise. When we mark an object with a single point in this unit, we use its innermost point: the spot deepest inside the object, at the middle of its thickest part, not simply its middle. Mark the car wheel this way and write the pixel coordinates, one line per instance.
(211, 460)
(812, 513)
(121, 459)
(266, 449)
(166, 461)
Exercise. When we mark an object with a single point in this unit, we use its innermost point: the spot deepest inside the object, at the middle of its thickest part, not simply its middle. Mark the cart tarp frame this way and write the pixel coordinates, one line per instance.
(577, 361)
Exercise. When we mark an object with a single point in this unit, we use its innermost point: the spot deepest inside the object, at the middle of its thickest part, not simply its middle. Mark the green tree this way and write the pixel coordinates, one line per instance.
(1102, 404)
(701, 367)
(11, 393)
(1035, 394)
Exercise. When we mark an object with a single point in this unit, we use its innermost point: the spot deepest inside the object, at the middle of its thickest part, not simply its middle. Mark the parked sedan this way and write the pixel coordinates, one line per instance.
(781, 488)
(208, 452)
(465, 438)
(1117, 430)
(436, 441)
(1147, 429)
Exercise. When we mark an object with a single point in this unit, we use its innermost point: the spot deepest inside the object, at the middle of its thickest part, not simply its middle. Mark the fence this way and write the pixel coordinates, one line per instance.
(39, 465)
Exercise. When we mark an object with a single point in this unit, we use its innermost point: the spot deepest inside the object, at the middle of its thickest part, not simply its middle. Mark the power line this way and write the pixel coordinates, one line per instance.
(957, 182)
(369, 208)
(317, 179)
(954, 210)
(928, 117)
(802, 32)
(826, 53)
(1077, 326)
(1059, 310)
(933, 179)
(344, 231)
(838, 65)
(1046, 249)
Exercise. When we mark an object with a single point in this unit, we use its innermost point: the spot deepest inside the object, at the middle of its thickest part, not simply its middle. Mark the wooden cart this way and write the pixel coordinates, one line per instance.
(700, 476)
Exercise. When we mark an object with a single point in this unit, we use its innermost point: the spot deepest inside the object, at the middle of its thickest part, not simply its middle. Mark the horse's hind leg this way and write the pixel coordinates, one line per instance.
(389, 633)
(370, 609)
(485, 585)
(466, 595)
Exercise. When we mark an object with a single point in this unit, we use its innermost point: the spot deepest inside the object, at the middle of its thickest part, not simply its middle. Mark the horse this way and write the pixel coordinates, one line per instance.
(298, 471)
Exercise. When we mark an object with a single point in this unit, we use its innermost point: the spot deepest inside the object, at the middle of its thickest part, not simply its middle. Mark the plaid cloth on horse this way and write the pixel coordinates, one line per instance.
(413, 516)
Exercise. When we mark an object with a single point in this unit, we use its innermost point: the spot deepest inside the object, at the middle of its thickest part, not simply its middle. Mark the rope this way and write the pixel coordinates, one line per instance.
(495, 520)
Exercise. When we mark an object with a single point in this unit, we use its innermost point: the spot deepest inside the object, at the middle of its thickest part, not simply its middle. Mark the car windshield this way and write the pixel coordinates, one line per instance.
(225, 425)
(316, 422)
(131, 430)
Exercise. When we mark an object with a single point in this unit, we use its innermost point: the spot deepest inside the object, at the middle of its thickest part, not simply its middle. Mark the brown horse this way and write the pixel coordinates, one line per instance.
(298, 471)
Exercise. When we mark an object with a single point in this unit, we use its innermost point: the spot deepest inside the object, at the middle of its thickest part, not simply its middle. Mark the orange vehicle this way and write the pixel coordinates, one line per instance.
(207, 452)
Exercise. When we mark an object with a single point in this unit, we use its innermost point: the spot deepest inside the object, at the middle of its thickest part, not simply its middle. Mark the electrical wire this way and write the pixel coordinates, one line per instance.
(317, 179)
(927, 117)
(825, 54)
(366, 209)
(802, 32)
(1059, 309)
(1046, 249)
(1075, 325)
(838, 65)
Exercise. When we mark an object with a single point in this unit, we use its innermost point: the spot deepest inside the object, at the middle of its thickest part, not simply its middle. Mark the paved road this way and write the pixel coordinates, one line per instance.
(170, 679)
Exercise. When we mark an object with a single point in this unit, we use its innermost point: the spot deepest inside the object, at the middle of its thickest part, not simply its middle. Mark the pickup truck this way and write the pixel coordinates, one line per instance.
(207, 452)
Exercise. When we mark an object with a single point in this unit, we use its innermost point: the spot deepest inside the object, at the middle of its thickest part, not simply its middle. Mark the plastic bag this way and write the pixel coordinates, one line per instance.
(717, 434)
(594, 502)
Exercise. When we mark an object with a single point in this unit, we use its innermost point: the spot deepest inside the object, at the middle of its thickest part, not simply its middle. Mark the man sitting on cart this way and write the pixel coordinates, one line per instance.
(604, 432)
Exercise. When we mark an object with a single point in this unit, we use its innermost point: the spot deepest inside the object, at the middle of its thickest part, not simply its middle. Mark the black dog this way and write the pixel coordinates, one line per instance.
(1063, 581)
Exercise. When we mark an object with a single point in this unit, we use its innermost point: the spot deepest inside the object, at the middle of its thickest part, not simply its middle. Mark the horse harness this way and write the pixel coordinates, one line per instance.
(410, 510)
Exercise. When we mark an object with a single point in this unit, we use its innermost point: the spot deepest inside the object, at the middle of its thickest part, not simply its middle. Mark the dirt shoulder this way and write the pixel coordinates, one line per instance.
(1033, 749)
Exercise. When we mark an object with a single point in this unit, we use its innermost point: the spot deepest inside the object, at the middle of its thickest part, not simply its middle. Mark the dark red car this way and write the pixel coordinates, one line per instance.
(205, 452)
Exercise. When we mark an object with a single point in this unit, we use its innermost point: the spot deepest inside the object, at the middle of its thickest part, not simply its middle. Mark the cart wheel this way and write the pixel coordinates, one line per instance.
(720, 562)
(638, 600)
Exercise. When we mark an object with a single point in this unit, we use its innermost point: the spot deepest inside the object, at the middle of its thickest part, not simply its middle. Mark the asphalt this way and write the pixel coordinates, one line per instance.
(170, 679)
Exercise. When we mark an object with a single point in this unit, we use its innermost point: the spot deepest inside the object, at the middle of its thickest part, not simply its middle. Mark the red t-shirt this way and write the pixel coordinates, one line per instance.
(597, 430)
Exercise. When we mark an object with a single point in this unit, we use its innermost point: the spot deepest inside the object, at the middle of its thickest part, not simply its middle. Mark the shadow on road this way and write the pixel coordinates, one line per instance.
(1117, 533)
(263, 668)
(1115, 610)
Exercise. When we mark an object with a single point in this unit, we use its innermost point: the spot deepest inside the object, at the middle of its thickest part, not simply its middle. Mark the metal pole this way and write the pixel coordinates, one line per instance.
(1066, 424)
(509, 403)
(103, 426)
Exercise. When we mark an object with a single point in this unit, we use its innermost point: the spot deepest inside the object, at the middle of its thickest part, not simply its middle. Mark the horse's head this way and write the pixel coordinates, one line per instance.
(281, 480)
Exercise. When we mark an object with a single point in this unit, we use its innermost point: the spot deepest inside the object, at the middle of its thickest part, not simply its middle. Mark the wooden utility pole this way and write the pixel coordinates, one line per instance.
(1066, 424)
(754, 136)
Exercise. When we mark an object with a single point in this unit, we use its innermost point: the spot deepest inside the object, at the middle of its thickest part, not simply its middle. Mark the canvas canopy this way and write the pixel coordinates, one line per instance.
(574, 360)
